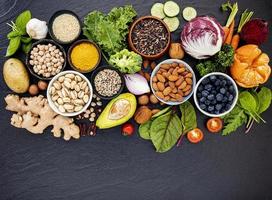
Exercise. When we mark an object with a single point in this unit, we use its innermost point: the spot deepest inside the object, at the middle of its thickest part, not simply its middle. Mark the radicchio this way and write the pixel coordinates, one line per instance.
(202, 37)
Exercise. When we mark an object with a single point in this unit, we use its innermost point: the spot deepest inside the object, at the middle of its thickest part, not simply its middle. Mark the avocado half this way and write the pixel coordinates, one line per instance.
(118, 111)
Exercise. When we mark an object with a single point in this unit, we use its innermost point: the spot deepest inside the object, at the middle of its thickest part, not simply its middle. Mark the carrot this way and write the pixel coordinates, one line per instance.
(231, 30)
(226, 32)
(235, 41)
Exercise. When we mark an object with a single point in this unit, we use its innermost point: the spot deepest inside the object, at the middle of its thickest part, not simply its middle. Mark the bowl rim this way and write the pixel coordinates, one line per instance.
(41, 42)
(172, 103)
(51, 104)
(77, 43)
(50, 25)
(233, 103)
(134, 48)
(98, 69)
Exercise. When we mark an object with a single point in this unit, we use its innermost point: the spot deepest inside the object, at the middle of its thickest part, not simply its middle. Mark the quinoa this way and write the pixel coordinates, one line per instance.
(107, 82)
(66, 27)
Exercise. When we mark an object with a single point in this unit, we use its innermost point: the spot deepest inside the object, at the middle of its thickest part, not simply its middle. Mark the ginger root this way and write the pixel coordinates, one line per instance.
(35, 115)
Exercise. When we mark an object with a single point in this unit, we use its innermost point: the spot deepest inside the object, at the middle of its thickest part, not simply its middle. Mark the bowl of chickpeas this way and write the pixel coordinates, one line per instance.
(46, 59)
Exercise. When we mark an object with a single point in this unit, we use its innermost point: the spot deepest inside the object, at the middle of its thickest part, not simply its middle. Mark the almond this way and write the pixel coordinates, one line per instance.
(171, 70)
(166, 98)
(154, 79)
(160, 95)
(165, 74)
(179, 81)
(160, 86)
(165, 66)
(155, 86)
(173, 78)
(189, 75)
(181, 70)
(180, 92)
(181, 65)
(173, 99)
(172, 95)
(174, 64)
(172, 85)
(182, 85)
(175, 90)
(179, 97)
(187, 92)
(166, 91)
(188, 87)
(175, 72)
(189, 81)
(160, 78)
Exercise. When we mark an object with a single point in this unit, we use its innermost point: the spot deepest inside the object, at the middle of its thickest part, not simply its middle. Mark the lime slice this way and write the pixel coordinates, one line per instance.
(157, 10)
(172, 23)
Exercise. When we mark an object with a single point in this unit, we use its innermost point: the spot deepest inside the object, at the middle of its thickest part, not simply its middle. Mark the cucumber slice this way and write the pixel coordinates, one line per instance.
(189, 13)
(157, 10)
(172, 23)
(171, 9)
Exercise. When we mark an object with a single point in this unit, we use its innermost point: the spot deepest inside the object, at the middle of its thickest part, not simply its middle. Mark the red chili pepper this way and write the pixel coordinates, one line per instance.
(127, 129)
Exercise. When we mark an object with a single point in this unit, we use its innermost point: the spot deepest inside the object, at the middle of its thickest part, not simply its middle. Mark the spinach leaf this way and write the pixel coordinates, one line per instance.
(14, 44)
(144, 130)
(264, 96)
(165, 131)
(22, 20)
(188, 117)
(26, 47)
(236, 118)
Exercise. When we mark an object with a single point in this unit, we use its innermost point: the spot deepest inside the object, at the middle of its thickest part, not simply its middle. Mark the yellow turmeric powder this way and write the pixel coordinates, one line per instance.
(84, 56)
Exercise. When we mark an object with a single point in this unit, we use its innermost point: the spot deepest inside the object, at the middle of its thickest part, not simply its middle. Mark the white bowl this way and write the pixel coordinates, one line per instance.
(172, 61)
(52, 105)
(233, 103)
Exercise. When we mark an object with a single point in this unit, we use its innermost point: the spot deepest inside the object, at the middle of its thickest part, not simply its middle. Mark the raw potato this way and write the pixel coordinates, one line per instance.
(35, 115)
(15, 75)
(33, 90)
(143, 100)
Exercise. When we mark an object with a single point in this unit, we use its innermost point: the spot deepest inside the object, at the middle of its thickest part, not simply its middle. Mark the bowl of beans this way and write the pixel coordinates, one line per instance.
(69, 93)
(216, 94)
(150, 37)
(46, 59)
(108, 82)
(173, 81)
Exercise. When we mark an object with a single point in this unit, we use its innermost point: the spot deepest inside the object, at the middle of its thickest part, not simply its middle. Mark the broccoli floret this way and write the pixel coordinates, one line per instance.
(206, 67)
(126, 61)
(225, 57)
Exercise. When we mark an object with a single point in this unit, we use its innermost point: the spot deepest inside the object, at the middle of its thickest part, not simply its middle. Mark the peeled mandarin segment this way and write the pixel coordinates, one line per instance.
(248, 53)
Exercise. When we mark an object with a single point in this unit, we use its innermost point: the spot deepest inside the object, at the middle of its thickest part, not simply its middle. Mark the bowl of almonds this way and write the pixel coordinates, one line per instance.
(173, 81)
(69, 93)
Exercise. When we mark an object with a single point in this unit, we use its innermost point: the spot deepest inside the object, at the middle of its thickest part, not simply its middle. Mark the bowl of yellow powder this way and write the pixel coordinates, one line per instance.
(84, 56)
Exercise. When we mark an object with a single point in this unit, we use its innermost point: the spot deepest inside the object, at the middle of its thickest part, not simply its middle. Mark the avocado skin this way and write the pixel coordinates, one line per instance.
(103, 122)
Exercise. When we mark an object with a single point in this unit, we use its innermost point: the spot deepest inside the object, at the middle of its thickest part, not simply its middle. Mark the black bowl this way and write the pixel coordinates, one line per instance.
(50, 25)
(44, 41)
(70, 51)
(95, 72)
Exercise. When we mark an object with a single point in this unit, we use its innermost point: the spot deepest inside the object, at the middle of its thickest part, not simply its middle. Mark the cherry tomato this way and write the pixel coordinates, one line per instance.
(195, 135)
(214, 125)
(127, 129)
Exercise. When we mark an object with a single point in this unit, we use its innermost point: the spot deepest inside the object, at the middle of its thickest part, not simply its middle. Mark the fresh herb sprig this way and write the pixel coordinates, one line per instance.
(18, 36)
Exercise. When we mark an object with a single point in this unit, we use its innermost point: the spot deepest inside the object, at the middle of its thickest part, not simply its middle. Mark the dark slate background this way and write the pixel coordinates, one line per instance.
(110, 166)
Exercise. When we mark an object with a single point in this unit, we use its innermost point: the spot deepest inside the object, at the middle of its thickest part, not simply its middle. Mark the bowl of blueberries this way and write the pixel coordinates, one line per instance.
(215, 94)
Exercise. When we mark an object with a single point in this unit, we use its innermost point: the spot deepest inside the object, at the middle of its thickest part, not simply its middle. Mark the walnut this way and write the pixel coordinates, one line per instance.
(142, 115)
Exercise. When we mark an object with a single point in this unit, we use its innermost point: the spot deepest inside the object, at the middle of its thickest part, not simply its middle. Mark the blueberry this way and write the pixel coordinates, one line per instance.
(212, 78)
(222, 90)
(229, 82)
(203, 106)
(223, 83)
(218, 106)
(217, 112)
(231, 88)
(200, 88)
(230, 98)
(207, 102)
(205, 93)
(214, 92)
(217, 82)
(219, 97)
(221, 77)
(205, 81)
(210, 108)
(213, 101)
(227, 94)
(202, 99)
(198, 95)
(210, 97)
(225, 99)
(208, 87)
(228, 106)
